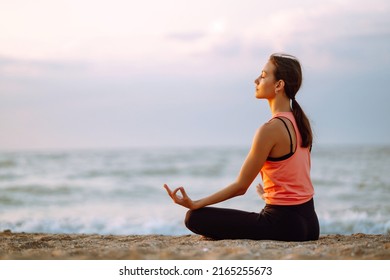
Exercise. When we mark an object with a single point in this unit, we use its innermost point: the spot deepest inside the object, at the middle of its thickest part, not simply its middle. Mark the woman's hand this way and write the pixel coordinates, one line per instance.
(260, 191)
(182, 199)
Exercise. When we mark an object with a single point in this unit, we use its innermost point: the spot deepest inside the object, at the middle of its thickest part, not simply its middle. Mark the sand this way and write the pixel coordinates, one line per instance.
(41, 246)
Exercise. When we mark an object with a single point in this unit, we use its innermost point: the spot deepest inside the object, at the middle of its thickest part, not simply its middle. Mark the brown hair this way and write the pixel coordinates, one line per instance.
(288, 69)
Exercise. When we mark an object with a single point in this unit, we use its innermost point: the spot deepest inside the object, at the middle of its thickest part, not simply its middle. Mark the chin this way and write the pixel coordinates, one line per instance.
(258, 96)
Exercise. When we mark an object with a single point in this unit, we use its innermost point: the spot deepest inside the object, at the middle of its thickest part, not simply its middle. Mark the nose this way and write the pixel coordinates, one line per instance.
(257, 81)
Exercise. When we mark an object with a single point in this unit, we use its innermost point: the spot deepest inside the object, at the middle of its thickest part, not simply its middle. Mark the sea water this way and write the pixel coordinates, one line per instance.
(121, 191)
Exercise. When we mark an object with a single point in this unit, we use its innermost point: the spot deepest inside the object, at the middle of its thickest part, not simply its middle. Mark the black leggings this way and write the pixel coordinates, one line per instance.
(274, 222)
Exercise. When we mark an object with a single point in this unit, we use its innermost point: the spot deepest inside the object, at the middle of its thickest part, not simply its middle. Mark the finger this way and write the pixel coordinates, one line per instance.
(168, 190)
(183, 192)
(259, 189)
(175, 194)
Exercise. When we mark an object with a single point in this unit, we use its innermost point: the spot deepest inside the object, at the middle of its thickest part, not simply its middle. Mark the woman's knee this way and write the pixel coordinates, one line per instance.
(191, 218)
(187, 219)
(196, 220)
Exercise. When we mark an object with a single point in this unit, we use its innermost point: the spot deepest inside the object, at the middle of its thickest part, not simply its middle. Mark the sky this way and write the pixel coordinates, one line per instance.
(78, 74)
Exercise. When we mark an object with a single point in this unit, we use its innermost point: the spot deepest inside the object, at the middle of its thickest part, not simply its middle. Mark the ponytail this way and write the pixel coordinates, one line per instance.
(303, 124)
(288, 69)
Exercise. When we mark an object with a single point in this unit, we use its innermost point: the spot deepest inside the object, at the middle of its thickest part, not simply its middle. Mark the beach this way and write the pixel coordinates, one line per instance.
(42, 246)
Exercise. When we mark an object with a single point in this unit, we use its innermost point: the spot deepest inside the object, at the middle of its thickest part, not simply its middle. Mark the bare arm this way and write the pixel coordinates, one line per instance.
(263, 142)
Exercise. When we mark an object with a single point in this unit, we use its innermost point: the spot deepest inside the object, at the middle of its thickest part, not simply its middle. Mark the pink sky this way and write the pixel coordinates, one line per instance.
(79, 74)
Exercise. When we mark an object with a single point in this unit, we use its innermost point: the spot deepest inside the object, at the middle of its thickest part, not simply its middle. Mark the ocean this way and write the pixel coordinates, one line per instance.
(121, 191)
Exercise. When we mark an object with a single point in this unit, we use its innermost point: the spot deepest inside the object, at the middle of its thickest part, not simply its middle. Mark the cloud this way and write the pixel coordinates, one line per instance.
(175, 77)
(187, 36)
(326, 35)
(28, 68)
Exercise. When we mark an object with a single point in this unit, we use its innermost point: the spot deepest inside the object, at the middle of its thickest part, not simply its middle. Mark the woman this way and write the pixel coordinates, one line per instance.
(281, 153)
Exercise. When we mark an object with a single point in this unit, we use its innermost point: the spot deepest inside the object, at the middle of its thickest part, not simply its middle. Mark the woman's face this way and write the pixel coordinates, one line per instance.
(265, 83)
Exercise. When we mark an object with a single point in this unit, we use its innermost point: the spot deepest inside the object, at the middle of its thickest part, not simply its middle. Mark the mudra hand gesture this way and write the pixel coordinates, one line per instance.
(182, 199)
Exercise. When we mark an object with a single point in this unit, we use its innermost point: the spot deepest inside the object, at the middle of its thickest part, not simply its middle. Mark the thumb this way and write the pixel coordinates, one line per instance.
(183, 192)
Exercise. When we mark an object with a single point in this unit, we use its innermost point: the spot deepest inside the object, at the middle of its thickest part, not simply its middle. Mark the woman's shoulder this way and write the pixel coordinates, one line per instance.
(272, 126)
(268, 130)
(264, 139)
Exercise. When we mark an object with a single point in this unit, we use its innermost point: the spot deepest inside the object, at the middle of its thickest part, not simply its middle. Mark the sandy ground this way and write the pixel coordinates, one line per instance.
(41, 246)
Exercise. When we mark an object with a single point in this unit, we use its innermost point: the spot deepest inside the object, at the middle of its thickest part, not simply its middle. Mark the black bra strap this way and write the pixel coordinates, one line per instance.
(289, 134)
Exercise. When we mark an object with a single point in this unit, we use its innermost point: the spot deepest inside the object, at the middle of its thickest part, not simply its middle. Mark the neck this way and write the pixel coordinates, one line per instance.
(279, 104)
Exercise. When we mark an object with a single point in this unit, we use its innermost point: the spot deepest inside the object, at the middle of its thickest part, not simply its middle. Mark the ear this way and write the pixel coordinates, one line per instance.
(279, 85)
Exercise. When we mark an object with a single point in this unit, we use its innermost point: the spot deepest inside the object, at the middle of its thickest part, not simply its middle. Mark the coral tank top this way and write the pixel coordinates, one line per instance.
(288, 182)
